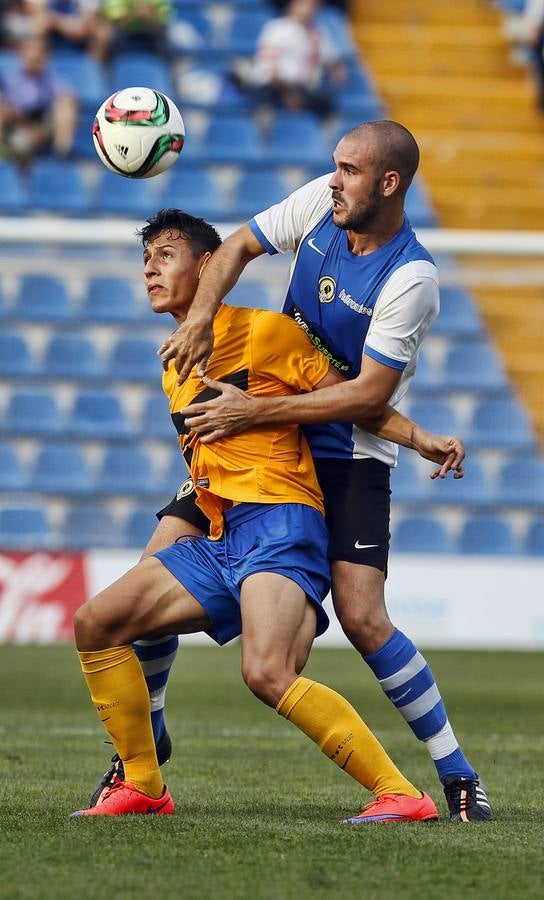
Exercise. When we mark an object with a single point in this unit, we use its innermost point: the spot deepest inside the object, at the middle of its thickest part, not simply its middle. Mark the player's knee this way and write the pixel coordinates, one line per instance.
(365, 624)
(91, 633)
(264, 680)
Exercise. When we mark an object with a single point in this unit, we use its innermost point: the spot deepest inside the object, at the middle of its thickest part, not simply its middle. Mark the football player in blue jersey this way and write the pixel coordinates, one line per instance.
(366, 292)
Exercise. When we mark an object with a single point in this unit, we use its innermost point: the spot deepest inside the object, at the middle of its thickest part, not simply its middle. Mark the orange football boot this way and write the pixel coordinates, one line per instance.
(391, 808)
(122, 799)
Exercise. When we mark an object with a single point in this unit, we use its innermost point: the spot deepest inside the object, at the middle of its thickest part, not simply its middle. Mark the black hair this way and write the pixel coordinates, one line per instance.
(199, 234)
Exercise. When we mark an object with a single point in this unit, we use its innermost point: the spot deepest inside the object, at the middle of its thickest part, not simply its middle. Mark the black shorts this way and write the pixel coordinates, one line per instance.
(357, 503)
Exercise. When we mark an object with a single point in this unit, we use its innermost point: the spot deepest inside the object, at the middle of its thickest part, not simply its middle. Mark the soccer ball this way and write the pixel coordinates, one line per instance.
(138, 132)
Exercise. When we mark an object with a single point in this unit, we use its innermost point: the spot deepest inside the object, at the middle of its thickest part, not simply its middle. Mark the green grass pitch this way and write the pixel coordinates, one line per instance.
(258, 807)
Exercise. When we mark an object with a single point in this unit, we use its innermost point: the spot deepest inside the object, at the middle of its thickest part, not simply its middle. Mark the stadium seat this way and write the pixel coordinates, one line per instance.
(420, 534)
(195, 189)
(521, 482)
(15, 358)
(257, 191)
(84, 75)
(24, 527)
(98, 415)
(458, 317)
(425, 378)
(231, 138)
(436, 415)
(176, 473)
(141, 69)
(486, 535)
(473, 366)
(297, 139)
(244, 29)
(470, 491)
(337, 24)
(31, 413)
(252, 294)
(13, 193)
(534, 539)
(140, 525)
(135, 359)
(90, 525)
(42, 298)
(355, 92)
(12, 474)
(190, 31)
(418, 207)
(126, 469)
(501, 423)
(109, 301)
(60, 468)
(123, 196)
(156, 421)
(406, 484)
(57, 186)
(71, 356)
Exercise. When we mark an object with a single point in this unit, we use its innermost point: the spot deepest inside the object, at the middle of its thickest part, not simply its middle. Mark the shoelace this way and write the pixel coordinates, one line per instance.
(115, 786)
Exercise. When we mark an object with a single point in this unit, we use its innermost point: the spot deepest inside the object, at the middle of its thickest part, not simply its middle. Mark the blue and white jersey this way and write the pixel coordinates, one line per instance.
(381, 304)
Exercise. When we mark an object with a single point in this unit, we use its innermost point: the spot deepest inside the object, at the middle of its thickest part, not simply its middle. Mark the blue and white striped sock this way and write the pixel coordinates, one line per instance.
(156, 659)
(408, 681)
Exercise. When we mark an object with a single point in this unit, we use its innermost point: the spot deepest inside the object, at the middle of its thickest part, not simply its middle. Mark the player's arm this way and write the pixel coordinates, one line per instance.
(192, 343)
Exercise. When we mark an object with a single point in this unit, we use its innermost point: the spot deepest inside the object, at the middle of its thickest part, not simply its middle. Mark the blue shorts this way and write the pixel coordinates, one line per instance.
(288, 538)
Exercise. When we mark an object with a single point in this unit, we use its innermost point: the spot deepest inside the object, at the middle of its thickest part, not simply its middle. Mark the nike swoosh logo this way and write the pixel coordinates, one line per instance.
(153, 810)
(400, 697)
(347, 760)
(359, 546)
(313, 246)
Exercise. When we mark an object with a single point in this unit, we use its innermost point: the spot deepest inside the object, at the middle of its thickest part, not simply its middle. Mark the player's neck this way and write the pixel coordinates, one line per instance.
(361, 243)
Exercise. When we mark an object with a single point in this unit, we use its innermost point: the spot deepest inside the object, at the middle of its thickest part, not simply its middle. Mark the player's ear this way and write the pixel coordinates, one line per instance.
(391, 182)
(203, 262)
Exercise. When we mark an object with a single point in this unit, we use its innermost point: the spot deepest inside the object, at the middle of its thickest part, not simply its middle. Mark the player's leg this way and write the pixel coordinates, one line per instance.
(148, 599)
(357, 500)
(278, 627)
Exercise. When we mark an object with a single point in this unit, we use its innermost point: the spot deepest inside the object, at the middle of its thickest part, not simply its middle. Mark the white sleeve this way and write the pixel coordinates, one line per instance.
(281, 227)
(404, 312)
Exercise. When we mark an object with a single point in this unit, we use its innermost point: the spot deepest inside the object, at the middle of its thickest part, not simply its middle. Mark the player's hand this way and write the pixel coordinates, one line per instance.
(229, 413)
(445, 450)
(190, 345)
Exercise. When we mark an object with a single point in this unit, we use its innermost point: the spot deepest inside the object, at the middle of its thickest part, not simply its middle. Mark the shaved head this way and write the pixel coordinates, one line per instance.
(391, 146)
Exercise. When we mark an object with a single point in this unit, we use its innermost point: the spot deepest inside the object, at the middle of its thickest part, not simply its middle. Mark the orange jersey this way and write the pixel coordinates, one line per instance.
(266, 354)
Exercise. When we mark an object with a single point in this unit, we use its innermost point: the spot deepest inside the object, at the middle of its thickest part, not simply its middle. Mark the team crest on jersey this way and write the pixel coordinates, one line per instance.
(327, 289)
(186, 488)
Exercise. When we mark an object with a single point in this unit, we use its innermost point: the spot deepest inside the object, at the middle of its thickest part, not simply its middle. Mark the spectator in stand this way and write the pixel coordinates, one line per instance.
(38, 112)
(19, 19)
(76, 25)
(296, 63)
(137, 25)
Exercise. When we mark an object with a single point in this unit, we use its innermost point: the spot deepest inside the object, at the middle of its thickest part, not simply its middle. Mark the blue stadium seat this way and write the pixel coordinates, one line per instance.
(337, 24)
(534, 539)
(176, 473)
(31, 413)
(57, 186)
(355, 92)
(12, 475)
(83, 146)
(24, 527)
(84, 75)
(123, 196)
(109, 301)
(156, 421)
(15, 357)
(406, 484)
(244, 30)
(190, 31)
(501, 423)
(458, 316)
(420, 534)
(521, 482)
(135, 359)
(418, 206)
(98, 415)
(195, 190)
(252, 294)
(71, 356)
(297, 138)
(60, 469)
(140, 525)
(90, 525)
(42, 298)
(257, 191)
(13, 193)
(425, 378)
(473, 366)
(231, 138)
(126, 469)
(471, 491)
(436, 415)
(141, 69)
(486, 535)
(204, 85)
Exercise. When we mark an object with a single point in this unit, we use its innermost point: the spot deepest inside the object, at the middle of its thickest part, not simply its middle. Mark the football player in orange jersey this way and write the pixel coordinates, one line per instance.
(263, 572)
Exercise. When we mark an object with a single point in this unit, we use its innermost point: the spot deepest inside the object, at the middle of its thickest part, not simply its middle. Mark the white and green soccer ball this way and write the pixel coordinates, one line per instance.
(138, 132)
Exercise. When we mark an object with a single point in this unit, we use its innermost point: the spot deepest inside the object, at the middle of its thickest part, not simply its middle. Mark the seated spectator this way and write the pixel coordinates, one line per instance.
(20, 19)
(137, 25)
(38, 112)
(76, 25)
(296, 64)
